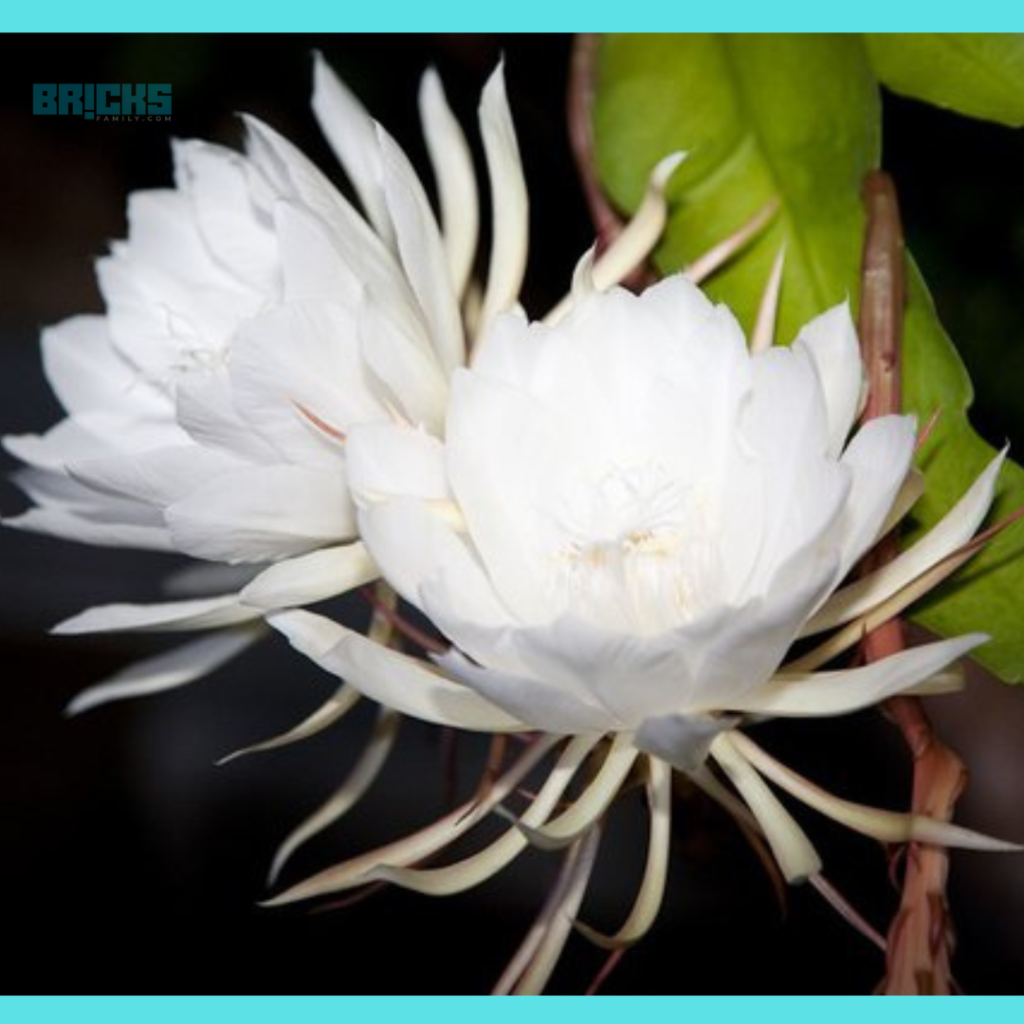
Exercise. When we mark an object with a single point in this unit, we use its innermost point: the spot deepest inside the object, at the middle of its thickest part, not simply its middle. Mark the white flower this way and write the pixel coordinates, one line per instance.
(630, 520)
(254, 316)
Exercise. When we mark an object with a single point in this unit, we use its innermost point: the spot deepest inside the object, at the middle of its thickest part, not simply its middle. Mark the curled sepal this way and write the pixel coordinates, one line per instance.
(652, 887)
(347, 795)
(477, 868)
(533, 963)
(421, 844)
(816, 694)
(951, 532)
(636, 241)
(332, 710)
(885, 826)
(797, 858)
(590, 805)
(169, 670)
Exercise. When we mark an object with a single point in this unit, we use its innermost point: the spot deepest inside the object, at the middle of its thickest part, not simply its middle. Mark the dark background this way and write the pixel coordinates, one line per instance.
(130, 863)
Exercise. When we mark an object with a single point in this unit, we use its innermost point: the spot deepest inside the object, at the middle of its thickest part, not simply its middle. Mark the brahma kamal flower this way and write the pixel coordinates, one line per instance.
(630, 520)
(253, 316)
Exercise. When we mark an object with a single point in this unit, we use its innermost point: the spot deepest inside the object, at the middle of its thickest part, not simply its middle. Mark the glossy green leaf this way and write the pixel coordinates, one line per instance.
(797, 117)
(980, 74)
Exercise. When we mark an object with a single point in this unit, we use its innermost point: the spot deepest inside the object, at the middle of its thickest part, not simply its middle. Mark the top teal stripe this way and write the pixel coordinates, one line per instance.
(523, 15)
(474, 1010)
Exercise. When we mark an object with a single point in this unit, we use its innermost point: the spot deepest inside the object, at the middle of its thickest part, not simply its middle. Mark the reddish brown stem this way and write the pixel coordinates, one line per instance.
(921, 934)
(582, 85)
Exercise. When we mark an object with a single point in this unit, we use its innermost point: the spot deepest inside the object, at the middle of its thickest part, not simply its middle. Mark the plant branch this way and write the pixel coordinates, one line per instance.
(582, 84)
(921, 934)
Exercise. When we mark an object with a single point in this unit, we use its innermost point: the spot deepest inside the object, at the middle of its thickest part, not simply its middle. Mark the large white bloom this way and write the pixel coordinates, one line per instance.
(629, 522)
(632, 518)
(254, 315)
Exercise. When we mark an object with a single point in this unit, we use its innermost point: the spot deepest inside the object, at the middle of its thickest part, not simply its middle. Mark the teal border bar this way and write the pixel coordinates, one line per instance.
(522, 15)
(472, 1010)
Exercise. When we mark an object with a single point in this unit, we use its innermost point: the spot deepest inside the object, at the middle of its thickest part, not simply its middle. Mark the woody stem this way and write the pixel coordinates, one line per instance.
(921, 934)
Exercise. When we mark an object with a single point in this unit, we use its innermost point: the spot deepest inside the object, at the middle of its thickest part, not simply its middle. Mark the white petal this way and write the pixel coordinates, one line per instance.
(91, 435)
(87, 373)
(830, 340)
(263, 514)
(385, 460)
(510, 211)
(169, 670)
(203, 613)
(837, 693)
(311, 578)
(68, 526)
(951, 532)
(202, 579)
(456, 181)
(740, 649)
(296, 179)
(157, 478)
(315, 264)
(171, 306)
(682, 741)
(394, 680)
(423, 256)
(217, 182)
(352, 135)
(878, 457)
(298, 361)
(496, 475)
(404, 364)
(434, 569)
(784, 428)
(548, 708)
(293, 176)
(206, 412)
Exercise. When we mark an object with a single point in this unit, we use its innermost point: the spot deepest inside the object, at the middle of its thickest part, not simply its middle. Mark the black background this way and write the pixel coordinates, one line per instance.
(129, 863)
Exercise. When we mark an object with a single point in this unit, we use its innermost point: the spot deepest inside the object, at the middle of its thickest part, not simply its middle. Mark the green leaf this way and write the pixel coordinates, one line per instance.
(979, 74)
(798, 117)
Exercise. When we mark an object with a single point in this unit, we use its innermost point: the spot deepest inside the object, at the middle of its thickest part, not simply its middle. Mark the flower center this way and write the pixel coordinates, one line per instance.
(637, 547)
